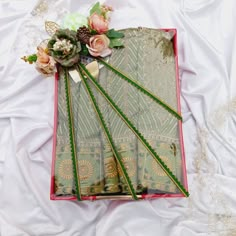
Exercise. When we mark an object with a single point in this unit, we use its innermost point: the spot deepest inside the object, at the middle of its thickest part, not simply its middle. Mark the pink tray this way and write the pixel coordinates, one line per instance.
(122, 197)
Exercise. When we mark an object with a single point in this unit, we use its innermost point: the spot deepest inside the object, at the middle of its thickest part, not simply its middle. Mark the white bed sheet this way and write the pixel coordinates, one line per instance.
(207, 59)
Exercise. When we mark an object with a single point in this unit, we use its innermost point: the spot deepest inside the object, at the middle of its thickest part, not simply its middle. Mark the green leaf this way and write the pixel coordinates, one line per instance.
(32, 58)
(114, 43)
(84, 50)
(93, 32)
(114, 34)
(96, 9)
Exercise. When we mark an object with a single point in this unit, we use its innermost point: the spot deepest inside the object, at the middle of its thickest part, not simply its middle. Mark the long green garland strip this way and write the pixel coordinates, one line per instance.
(71, 133)
(142, 89)
(108, 135)
(136, 132)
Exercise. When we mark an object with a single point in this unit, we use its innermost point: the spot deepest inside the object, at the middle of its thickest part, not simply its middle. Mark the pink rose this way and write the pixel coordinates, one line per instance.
(99, 46)
(98, 23)
(45, 64)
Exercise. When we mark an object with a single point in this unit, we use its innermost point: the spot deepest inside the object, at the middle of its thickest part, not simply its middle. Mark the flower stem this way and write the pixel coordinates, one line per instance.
(71, 134)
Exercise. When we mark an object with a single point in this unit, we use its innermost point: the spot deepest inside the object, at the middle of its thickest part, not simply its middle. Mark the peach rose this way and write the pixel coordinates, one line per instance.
(45, 64)
(99, 46)
(98, 23)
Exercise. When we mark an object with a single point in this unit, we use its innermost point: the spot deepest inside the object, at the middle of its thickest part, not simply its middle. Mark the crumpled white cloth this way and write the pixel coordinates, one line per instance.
(207, 60)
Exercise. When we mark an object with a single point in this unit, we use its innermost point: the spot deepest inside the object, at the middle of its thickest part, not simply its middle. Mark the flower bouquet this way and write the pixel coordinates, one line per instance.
(117, 129)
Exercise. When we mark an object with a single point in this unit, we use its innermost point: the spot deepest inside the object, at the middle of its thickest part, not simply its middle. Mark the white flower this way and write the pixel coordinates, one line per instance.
(74, 21)
(63, 45)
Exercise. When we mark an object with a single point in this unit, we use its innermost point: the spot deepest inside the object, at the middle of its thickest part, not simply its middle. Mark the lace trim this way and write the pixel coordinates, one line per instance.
(219, 117)
(220, 216)
(33, 31)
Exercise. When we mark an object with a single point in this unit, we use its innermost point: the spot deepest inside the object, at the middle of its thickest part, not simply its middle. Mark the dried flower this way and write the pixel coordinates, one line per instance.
(83, 35)
(106, 10)
(64, 47)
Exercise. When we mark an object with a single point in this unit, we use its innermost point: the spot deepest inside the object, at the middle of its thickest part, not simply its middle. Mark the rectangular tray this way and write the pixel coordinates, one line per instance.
(54, 196)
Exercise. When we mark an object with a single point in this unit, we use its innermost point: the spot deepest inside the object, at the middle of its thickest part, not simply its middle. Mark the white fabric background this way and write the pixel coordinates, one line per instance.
(207, 58)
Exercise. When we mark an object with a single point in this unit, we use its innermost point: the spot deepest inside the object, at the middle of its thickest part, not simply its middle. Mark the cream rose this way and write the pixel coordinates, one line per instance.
(98, 23)
(106, 10)
(45, 64)
(99, 46)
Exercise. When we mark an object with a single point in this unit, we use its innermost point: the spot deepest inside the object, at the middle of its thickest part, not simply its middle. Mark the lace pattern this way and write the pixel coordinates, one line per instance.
(33, 30)
(219, 216)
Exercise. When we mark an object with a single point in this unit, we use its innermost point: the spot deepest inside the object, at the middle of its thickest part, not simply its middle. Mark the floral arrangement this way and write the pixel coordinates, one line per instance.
(89, 36)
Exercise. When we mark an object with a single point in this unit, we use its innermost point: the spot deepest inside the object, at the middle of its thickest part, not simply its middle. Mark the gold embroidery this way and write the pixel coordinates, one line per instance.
(130, 166)
(158, 170)
(65, 169)
(85, 169)
(166, 47)
(110, 168)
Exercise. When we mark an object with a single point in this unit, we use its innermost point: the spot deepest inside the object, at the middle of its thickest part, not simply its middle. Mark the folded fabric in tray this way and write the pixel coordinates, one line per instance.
(149, 58)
